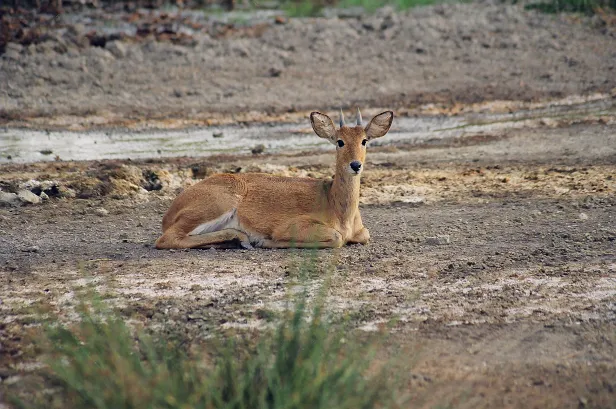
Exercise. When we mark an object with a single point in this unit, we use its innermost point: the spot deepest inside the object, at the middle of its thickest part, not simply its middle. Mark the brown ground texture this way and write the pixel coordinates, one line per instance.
(517, 309)
(441, 54)
(496, 255)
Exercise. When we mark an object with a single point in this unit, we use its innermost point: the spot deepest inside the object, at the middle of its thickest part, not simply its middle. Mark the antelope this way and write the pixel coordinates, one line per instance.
(262, 210)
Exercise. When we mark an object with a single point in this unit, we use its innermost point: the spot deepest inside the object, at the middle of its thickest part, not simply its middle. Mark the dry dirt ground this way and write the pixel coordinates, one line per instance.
(496, 254)
(75, 67)
(517, 308)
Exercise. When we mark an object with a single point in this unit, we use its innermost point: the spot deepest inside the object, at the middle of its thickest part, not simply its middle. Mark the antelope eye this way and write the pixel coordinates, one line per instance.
(340, 143)
(364, 142)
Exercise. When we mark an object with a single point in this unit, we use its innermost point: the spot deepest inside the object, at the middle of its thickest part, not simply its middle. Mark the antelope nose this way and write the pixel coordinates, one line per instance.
(356, 165)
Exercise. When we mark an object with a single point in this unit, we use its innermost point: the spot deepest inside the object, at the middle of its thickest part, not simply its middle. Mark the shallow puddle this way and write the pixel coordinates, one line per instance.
(25, 145)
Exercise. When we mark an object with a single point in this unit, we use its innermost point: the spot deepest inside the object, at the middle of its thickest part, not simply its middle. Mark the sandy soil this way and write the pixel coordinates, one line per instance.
(515, 308)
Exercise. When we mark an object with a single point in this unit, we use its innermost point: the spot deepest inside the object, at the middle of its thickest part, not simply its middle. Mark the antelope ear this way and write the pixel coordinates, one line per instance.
(323, 126)
(379, 125)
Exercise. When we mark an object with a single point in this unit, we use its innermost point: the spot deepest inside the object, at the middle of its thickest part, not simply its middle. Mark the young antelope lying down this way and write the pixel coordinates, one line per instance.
(261, 210)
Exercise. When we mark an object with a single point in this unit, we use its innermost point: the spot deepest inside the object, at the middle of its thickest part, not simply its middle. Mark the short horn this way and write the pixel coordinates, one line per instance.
(358, 117)
(341, 118)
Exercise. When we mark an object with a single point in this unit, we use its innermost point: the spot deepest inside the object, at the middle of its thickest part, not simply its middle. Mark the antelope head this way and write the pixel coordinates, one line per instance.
(351, 140)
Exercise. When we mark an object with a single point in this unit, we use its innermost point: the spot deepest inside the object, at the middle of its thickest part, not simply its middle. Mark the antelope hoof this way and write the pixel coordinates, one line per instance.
(246, 245)
(362, 237)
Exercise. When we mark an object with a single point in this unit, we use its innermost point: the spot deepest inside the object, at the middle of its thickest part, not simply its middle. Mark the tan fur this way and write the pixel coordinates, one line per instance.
(275, 211)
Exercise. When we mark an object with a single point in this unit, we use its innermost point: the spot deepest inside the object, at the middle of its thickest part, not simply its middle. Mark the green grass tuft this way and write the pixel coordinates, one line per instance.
(302, 8)
(372, 5)
(305, 362)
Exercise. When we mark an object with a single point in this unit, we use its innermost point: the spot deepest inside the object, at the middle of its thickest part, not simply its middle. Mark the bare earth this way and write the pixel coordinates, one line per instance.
(517, 310)
(496, 253)
(442, 54)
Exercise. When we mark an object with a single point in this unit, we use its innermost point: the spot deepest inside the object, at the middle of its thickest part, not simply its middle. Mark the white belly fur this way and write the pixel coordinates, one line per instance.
(228, 220)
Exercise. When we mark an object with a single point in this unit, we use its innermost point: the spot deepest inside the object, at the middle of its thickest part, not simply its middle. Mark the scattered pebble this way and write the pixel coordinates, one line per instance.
(13, 51)
(117, 48)
(46, 152)
(26, 196)
(12, 380)
(8, 199)
(583, 216)
(101, 211)
(274, 72)
(438, 240)
(31, 249)
(218, 135)
(66, 192)
(258, 149)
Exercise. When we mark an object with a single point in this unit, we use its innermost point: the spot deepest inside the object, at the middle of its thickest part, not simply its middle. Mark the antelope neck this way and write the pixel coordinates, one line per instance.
(344, 194)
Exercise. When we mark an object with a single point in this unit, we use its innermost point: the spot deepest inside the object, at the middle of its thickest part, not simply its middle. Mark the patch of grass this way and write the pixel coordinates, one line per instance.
(574, 6)
(373, 5)
(311, 8)
(305, 362)
(302, 8)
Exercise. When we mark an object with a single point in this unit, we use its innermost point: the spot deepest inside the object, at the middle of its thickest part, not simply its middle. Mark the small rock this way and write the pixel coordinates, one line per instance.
(30, 184)
(31, 249)
(8, 199)
(76, 34)
(50, 187)
(412, 199)
(77, 29)
(218, 135)
(583, 216)
(274, 72)
(388, 22)
(13, 380)
(178, 93)
(13, 51)
(200, 171)
(46, 152)
(281, 20)
(439, 240)
(66, 192)
(59, 45)
(258, 149)
(101, 211)
(14, 46)
(26, 196)
(44, 196)
(583, 401)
